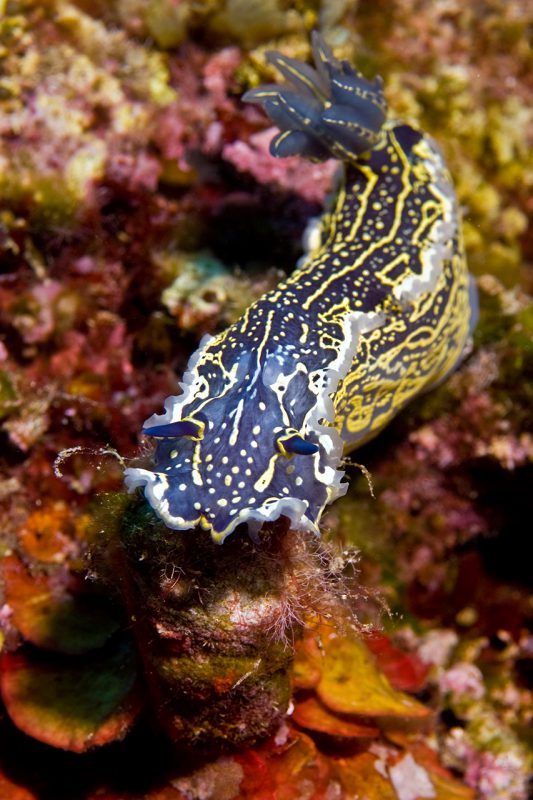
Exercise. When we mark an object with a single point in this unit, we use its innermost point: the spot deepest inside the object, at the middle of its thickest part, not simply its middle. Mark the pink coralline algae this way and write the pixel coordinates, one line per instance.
(463, 679)
(495, 776)
(312, 184)
(410, 780)
(198, 119)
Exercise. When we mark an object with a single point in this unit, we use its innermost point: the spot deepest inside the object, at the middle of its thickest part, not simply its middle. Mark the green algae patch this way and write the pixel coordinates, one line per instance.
(8, 395)
(74, 704)
(215, 675)
(250, 711)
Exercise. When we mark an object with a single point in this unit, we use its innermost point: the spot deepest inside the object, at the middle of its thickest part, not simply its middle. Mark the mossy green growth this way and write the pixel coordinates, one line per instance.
(521, 333)
(8, 394)
(493, 326)
(165, 20)
(506, 327)
(106, 514)
(218, 674)
(248, 713)
(142, 534)
(202, 617)
(363, 524)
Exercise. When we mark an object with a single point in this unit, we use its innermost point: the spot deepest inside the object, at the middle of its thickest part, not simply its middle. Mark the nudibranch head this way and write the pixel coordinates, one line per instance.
(332, 110)
(244, 445)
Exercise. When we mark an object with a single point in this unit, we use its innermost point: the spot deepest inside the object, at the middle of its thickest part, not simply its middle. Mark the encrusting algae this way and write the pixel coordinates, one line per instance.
(215, 627)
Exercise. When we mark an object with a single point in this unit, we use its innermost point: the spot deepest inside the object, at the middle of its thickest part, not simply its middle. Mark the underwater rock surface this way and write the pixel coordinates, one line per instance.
(139, 211)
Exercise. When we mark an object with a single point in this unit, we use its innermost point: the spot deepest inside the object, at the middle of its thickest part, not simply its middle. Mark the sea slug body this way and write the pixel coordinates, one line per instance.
(380, 310)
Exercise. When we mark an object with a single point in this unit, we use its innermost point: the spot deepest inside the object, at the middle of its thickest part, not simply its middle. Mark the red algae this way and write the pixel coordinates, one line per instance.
(253, 157)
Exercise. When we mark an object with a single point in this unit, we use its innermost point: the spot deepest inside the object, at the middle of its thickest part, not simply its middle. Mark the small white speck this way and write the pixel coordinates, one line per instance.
(222, 502)
(182, 487)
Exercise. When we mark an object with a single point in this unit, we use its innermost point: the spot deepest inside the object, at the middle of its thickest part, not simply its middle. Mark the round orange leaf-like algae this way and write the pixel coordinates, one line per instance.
(72, 703)
(351, 683)
(51, 534)
(313, 716)
(49, 612)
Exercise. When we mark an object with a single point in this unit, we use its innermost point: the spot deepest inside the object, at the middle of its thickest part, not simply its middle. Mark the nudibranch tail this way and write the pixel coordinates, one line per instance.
(329, 111)
(381, 309)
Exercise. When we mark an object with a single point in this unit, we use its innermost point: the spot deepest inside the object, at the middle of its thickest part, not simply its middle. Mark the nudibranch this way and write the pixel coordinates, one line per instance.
(381, 308)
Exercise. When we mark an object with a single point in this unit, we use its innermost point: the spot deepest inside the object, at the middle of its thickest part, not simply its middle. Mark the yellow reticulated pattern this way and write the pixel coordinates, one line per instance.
(380, 310)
